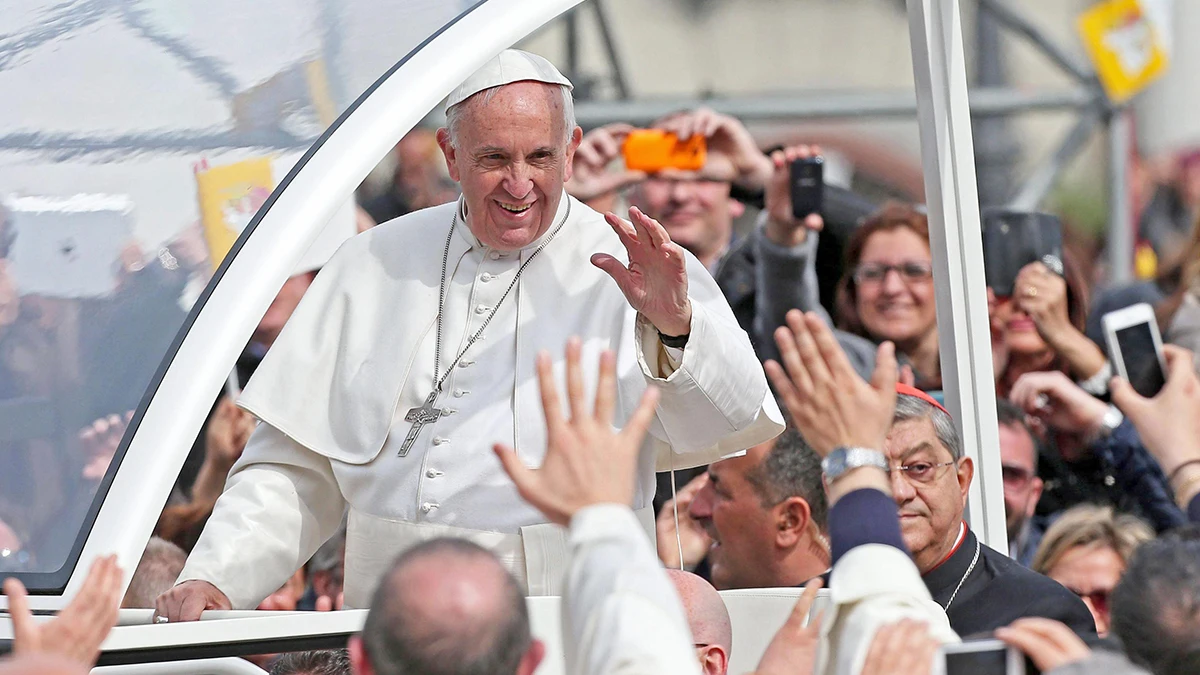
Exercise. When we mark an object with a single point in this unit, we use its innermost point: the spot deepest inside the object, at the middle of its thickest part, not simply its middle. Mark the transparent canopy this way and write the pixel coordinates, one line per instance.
(137, 138)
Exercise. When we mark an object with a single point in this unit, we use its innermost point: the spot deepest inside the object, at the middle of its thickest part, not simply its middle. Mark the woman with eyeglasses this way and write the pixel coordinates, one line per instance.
(886, 292)
(1087, 550)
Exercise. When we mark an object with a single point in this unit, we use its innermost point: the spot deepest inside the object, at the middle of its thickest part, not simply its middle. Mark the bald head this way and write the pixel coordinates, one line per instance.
(40, 664)
(706, 612)
(447, 607)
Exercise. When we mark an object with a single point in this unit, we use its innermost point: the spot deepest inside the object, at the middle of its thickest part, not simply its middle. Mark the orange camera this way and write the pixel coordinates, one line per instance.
(653, 150)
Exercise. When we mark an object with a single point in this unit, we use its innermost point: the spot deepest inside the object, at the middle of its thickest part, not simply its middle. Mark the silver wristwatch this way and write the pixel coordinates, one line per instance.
(844, 458)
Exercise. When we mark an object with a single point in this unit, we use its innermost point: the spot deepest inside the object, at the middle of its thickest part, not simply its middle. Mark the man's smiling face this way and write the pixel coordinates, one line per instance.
(511, 155)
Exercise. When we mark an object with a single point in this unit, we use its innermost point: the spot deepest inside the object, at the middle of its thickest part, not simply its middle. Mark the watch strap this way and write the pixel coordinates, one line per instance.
(847, 458)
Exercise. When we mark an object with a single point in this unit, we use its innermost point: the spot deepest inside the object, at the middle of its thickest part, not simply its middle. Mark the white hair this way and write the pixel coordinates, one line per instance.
(455, 113)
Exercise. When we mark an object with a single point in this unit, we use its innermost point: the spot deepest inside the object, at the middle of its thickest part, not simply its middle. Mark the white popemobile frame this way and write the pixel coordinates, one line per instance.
(333, 168)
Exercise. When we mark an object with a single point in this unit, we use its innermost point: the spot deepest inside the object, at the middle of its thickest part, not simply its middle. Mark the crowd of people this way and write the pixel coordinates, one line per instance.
(859, 486)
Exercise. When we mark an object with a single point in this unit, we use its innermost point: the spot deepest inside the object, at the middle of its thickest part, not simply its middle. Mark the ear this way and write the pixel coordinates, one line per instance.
(359, 663)
(532, 658)
(715, 661)
(572, 146)
(1035, 495)
(450, 153)
(966, 471)
(736, 208)
(792, 516)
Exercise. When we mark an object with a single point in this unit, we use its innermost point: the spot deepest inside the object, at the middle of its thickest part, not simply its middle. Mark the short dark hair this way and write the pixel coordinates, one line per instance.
(1009, 415)
(389, 638)
(1156, 605)
(320, 662)
(791, 469)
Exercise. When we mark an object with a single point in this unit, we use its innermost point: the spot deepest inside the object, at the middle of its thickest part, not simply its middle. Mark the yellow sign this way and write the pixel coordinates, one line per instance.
(230, 195)
(1124, 46)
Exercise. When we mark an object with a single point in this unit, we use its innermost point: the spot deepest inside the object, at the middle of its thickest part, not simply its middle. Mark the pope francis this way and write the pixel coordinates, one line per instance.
(414, 352)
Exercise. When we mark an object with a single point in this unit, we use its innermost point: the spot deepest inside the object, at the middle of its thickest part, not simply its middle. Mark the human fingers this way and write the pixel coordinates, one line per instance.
(1180, 364)
(1049, 643)
(814, 222)
(831, 352)
(192, 606)
(809, 354)
(789, 356)
(576, 398)
(324, 604)
(879, 652)
(784, 387)
(886, 374)
(617, 270)
(626, 232)
(25, 629)
(606, 388)
(588, 154)
(648, 229)
(639, 422)
(1125, 397)
(551, 404)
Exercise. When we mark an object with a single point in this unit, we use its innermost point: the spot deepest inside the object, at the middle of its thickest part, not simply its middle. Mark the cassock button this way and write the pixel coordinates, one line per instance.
(428, 506)
(494, 255)
(485, 277)
(459, 393)
(480, 309)
(440, 440)
(466, 363)
(433, 473)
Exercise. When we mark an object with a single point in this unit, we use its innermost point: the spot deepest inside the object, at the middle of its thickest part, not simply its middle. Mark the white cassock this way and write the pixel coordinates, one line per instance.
(358, 353)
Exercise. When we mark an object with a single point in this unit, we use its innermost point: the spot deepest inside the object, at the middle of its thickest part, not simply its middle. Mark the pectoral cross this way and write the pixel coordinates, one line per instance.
(426, 414)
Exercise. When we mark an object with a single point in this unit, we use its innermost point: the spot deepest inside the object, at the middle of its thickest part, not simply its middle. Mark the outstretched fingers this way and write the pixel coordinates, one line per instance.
(652, 230)
(25, 633)
(551, 405)
(639, 422)
(575, 390)
(606, 388)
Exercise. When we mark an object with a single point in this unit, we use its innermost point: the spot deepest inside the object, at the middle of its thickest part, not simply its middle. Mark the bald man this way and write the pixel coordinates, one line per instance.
(708, 618)
(447, 606)
(41, 664)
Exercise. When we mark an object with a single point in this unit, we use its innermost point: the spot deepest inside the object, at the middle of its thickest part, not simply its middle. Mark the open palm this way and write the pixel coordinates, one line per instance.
(655, 282)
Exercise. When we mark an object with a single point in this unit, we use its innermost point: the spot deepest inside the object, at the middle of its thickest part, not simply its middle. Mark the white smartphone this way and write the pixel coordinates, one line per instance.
(982, 657)
(1135, 348)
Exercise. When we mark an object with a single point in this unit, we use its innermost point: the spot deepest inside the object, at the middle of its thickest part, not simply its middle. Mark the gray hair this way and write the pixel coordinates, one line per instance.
(455, 113)
(913, 408)
(397, 642)
(319, 662)
(792, 469)
(156, 573)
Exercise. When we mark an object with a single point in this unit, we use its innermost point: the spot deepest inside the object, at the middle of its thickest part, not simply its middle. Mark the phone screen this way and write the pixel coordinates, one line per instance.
(991, 662)
(1141, 359)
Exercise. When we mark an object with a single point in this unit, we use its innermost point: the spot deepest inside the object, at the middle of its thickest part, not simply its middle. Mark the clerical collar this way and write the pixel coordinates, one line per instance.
(962, 536)
(473, 242)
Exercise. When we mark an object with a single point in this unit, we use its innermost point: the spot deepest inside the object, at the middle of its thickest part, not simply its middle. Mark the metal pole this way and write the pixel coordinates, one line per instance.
(1038, 185)
(956, 243)
(1120, 211)
(610, 48)
(1004, 13)
(996, 150)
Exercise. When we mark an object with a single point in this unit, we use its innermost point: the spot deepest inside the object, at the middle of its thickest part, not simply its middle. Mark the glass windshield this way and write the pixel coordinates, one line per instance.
(137, 139)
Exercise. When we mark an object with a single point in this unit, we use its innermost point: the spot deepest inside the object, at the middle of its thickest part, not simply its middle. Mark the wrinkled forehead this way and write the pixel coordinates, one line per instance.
(915, 438)
(515, 104)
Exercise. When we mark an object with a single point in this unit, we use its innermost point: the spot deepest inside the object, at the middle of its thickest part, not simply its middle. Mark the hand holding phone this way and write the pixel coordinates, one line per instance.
(652, 150)
(807, 186)
(1135, 348)
(783, 226)
(983, 657)
(1012, 240)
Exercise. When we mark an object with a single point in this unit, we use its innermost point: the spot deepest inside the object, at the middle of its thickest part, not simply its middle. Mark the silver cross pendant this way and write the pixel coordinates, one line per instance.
(425, 414)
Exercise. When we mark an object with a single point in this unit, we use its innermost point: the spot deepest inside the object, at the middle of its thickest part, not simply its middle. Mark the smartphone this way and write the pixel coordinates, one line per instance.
(808, 186)
(1012, 240)
(983, 657)
(1135, 348)
(652, 150)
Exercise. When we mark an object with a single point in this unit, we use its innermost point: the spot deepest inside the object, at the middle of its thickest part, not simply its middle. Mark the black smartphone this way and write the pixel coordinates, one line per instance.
(1135, 348)
(808, 186)
(1012, 240)
(983, 657)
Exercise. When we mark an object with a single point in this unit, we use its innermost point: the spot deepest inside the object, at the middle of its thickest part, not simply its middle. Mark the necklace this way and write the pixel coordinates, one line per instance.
(964, 577)
(426, 413)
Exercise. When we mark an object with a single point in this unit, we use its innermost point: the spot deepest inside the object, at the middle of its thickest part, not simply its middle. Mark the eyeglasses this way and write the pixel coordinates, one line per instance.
(910, 272)
(920, 472)
(1098, 598)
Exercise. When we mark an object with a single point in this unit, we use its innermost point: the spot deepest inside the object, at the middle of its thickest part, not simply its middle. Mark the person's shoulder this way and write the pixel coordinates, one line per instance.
(412, 225)
(1043, 596)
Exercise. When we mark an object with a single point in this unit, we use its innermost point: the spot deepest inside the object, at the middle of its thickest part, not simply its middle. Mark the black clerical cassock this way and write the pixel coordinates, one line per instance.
(982, 589)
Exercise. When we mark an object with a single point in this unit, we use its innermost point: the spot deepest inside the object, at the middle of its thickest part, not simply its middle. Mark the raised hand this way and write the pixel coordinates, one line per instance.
(733, 154)
(1058, 402)
(901, 648)
(79, 629)
(655, 283)
(782, 227)
(793, 650)
(691, 537)
(586, 462)
(1169, 424)
(1048, 643)
(100, 441)
(831, 405)
(591, 179)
